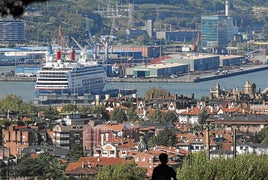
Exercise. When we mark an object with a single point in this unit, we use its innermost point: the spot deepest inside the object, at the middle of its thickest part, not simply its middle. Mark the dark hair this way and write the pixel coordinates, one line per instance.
(163, 158)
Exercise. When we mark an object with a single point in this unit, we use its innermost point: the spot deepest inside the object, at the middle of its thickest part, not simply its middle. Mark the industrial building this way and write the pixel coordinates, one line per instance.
(158, 70)
(12, 30)
(231, 60)
(214, 31)
(197, 62)
(217, 31)
(180, 36)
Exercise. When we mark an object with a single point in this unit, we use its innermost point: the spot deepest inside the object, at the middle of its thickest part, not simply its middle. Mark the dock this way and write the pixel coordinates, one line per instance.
(192, 77)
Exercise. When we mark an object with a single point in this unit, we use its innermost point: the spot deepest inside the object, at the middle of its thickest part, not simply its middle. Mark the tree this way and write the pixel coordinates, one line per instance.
(44, 166)
(119, 115)
(143, 39)
(14, 103)
(132, 115)
(124, 171)
(262, 136)
(15, 8)
(249, 166)
(166, 137)
(155, 92)
(51, 113)
(100, 110)
(203, 116)
(170, 116)
(69, 108)
(76, 152)
(156, 115)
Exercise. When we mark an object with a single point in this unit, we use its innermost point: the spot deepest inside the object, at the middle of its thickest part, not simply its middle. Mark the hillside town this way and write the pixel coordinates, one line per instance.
(76, 129)
(225, 124)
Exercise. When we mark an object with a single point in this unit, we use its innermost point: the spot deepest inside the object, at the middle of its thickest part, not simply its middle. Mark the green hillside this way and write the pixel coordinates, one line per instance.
(43, 19)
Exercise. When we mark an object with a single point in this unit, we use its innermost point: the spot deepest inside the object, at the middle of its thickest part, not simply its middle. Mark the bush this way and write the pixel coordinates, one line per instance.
(249, 166)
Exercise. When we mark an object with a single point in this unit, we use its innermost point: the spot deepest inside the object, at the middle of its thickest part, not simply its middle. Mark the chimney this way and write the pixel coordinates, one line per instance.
(58, 55)
(72, 54)
(102, 139)
(227, 8)
(97, 99)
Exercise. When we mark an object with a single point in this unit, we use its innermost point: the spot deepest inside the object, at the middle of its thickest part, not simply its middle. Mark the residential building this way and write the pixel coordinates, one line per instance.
(17, 138)
(118, 148)
(251, 148)
(252, 123)
(53, 150)
(88, 167)
(67, 137)
(98, 135)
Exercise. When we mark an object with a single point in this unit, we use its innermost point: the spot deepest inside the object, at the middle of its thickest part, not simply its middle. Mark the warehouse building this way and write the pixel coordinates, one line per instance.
(231, 60)
(197, 62)
(157, 70)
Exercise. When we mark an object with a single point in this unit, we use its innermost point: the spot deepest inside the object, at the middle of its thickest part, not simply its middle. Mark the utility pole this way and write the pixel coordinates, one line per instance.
(234, 144)
(207, 142)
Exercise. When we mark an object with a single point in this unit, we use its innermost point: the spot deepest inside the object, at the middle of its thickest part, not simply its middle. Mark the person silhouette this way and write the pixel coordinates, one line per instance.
(163, 171)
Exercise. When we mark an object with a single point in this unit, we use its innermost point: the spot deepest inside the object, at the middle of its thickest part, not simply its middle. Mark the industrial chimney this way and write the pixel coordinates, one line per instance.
(227, 8)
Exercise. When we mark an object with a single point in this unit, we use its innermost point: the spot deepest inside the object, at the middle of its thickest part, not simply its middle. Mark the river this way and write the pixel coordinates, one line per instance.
(26, 89)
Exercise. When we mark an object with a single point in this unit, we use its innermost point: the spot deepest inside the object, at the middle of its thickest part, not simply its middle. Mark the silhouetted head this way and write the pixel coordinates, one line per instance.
(163, 158)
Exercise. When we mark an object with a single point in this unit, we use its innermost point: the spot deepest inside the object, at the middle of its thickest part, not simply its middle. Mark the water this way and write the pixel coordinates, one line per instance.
(26, 89)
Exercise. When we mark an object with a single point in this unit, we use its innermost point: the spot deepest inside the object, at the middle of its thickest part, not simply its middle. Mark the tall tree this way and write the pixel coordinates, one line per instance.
(166, 137)
(100, 110)
(119, 115)
(44, 166)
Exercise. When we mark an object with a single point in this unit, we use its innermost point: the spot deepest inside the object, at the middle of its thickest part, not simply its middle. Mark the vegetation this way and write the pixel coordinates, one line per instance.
(125, 171)
(100, 110)
(14, 105)
(119, 115)
(43, 19)
(44, 166)
(167, 137)
(155, 92)
(262, 136)
(243, 167)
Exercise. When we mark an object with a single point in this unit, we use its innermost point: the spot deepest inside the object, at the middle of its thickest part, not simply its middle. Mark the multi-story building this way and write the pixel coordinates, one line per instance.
(100, 134)
(214, 31)
(12, 30)
(16, 138)
(68, 136)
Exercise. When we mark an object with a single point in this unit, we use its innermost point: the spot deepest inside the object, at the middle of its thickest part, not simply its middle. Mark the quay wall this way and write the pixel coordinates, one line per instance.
(187, 78)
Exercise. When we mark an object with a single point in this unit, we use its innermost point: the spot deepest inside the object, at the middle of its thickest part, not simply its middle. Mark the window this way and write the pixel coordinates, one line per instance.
(112, 152)
(143, 159)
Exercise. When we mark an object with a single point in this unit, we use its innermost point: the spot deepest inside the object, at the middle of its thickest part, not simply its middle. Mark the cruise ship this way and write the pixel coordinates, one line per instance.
(72, 76)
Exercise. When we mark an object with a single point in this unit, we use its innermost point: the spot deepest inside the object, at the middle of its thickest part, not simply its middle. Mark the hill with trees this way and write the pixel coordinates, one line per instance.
(43, 18)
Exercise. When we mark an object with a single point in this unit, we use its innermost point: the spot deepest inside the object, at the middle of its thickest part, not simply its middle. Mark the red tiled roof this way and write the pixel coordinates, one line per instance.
(191, 111)
(80, 168)
(102, 161)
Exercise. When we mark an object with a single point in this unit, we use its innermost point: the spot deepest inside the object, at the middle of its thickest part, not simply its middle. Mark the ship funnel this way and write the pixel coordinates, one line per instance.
(58, 55)
(72, 56)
